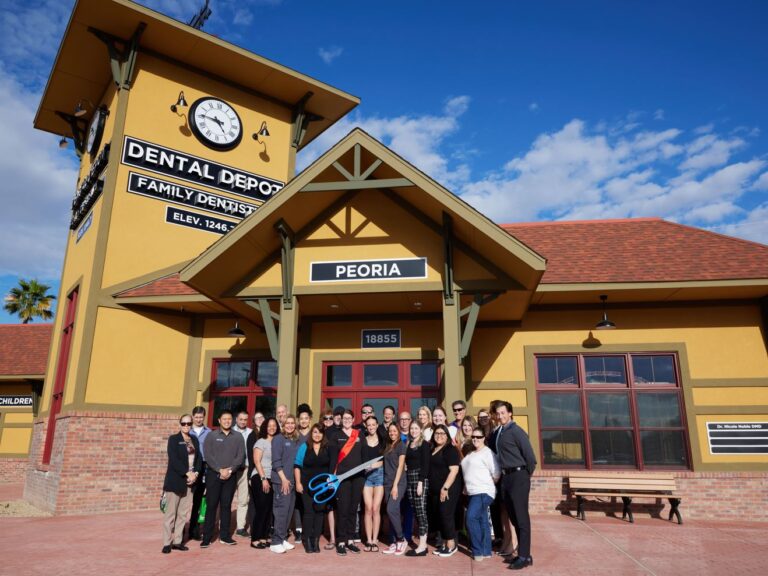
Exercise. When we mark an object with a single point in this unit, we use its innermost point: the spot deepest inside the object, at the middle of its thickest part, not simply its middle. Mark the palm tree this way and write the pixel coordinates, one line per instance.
(29, 300)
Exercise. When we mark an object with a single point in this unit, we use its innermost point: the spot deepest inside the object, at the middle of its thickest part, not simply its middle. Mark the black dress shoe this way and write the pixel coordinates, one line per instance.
(179, 547)
(166, 549)
(205, 543)
(353, 548)
(414, 553)
(519, 563)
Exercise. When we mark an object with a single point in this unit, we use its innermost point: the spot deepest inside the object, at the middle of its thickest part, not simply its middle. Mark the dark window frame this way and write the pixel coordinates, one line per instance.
(251, 391)
(633, 389)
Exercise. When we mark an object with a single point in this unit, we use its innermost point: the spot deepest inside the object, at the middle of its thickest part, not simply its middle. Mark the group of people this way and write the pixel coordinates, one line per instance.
(431, 477)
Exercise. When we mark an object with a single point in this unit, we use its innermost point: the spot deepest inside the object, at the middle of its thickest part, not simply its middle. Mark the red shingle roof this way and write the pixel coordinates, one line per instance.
(24, 349)
(167, 286)
(639, 250)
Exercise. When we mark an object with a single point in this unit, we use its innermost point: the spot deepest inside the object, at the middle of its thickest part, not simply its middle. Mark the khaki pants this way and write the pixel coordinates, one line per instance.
(242, 498)
(176, 516)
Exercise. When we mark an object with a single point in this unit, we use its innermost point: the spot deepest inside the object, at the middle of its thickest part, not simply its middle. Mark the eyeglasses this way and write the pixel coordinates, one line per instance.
(186, 423)
(458, 410)
(327, 417)
(478, 437)
(439, 434)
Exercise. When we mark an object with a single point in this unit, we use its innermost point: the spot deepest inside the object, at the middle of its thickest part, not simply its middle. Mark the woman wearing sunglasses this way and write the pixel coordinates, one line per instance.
(184, 467)
(480, 470)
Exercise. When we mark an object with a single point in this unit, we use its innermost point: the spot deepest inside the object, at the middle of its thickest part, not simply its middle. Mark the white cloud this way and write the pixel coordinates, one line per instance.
(754, 227)
(762, 182)
(708, 151)
(418, 139)
(658, 114)
(330, 54)
(36, 190)
(533, 106)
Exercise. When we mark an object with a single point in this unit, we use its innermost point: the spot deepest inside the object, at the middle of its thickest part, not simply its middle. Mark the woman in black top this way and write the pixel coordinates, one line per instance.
(417, 472)
(394, 488)
(314, 457)
(184, 467)
(446, 487)
(349, 447)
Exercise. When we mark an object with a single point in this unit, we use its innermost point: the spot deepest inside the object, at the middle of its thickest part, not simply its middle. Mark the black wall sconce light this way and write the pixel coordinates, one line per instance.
(262, 132)
(181, 102)
(605, 324)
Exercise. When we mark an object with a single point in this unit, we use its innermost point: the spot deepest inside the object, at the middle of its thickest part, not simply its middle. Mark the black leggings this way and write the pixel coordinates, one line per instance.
(349, 495)
(262, 509)
(444, 513)
(314, 516)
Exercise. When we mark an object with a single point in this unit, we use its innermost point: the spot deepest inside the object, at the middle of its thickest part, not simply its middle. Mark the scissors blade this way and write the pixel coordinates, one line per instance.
(357, 469)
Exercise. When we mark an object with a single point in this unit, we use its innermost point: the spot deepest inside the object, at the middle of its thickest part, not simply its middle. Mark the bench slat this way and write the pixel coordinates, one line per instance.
(628, 494)
(624, 486)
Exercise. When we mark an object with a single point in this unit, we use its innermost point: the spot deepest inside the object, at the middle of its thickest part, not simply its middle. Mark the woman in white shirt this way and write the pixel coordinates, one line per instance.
(481, 472)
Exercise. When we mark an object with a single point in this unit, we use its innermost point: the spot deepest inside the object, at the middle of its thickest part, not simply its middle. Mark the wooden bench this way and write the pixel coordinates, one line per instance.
(625, 486)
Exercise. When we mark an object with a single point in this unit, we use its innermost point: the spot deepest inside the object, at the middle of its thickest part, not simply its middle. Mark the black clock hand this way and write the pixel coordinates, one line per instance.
(218, 122)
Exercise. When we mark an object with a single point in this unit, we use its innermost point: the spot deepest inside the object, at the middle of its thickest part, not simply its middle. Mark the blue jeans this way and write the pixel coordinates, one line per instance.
(478, 524)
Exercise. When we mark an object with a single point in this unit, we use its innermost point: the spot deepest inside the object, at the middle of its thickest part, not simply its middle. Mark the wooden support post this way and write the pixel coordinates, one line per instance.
(286, 366)
(453, 371)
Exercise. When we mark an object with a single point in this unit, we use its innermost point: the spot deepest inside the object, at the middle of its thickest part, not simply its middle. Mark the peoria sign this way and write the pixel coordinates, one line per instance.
(169, 162)
(362, 270)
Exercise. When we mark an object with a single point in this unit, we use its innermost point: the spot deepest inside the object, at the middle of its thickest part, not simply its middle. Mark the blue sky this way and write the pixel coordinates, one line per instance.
(528, 110)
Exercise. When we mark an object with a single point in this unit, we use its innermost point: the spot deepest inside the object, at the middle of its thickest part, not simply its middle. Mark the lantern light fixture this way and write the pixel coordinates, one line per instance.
(181, 102)
(605, 324)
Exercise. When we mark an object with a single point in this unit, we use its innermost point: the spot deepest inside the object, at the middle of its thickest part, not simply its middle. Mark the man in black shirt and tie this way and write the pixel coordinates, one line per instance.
(518, 462)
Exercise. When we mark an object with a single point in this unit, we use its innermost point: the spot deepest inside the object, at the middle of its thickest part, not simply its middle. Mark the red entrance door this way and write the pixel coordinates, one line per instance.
(242, 385)
(406, 385)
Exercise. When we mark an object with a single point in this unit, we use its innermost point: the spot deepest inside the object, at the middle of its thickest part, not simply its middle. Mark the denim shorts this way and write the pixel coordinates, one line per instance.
(375, 477)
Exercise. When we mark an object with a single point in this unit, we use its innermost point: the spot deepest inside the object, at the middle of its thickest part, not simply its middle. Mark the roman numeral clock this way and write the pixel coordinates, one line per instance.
(215, 123)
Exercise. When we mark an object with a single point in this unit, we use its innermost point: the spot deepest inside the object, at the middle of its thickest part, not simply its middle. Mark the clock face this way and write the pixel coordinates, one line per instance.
(95, 131)
(215, 123)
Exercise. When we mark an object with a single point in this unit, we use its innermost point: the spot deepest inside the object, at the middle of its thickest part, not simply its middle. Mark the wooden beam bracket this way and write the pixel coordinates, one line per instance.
(287, 252)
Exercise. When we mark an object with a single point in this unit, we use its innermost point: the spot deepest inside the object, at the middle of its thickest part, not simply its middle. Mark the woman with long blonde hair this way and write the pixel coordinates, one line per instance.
(424, 418)
(417, 473)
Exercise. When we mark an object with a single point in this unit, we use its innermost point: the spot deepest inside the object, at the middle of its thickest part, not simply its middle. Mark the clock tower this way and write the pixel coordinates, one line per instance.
(180, 136)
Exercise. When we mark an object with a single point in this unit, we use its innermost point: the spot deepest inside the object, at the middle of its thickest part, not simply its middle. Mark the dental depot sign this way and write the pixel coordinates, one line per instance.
(169, 162)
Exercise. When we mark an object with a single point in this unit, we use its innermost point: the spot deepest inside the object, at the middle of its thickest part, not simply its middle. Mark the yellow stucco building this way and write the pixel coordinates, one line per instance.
(358, 280)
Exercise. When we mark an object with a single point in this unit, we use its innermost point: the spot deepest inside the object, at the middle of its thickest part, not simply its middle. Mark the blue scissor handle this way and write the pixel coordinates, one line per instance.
(322, 484)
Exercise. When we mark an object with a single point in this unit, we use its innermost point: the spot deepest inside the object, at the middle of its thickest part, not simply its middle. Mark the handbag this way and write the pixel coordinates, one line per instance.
(203, 508)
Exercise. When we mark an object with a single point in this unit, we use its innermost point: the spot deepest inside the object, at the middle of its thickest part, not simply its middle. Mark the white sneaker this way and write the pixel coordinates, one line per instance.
(287, 545)
(277, 548)
(401, 547)
(391, 550)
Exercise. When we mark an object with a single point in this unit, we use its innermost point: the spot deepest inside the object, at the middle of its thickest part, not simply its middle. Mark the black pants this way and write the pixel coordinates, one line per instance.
(219, 495)
(498, 527)
(197, 498)
(261, 521)
(444, 513)
(314, 516)
(348, 496)
(516, 487)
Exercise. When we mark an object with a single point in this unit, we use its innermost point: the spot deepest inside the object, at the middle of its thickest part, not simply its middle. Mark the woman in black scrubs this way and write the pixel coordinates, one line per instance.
(314, 457)
(445, 487)
(350, 492)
